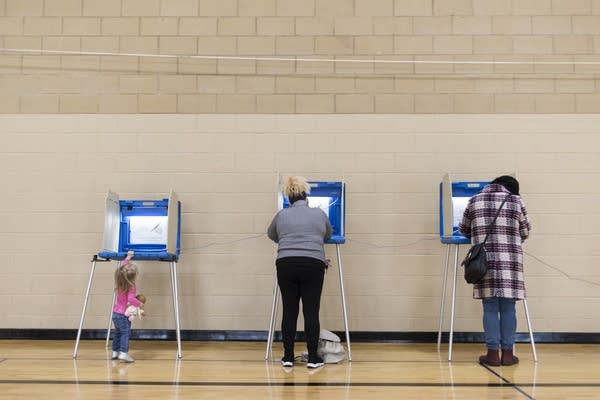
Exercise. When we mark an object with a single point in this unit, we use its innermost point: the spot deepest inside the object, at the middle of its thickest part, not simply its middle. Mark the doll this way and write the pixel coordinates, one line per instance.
(132, 311)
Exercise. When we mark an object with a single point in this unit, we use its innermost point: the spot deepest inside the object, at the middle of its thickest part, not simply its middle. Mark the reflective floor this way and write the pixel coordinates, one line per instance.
(233, 370)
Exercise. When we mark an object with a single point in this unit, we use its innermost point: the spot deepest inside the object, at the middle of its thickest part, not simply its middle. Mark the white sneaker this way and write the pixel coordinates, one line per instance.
(287, 363)
(316, 363)
(125, 357)
(114, 355)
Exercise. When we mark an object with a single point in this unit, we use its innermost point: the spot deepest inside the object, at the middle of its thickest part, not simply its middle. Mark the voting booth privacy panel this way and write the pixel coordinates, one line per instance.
(454, 198)
(329, 196)
(149, 228)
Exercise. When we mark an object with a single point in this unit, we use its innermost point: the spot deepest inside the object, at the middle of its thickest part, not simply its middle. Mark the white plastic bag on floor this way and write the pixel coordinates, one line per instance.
(330, 348)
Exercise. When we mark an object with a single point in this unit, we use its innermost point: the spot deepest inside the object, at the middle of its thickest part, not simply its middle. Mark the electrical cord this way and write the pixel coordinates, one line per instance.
(187, 249)
(380, 246)
(560, 270)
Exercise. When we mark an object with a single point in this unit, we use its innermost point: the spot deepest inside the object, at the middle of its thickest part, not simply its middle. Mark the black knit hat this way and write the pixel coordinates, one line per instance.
(510, 183)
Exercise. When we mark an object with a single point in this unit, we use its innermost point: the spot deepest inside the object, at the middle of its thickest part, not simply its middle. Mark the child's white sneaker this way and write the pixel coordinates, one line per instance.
(114, 355)
(125, 357)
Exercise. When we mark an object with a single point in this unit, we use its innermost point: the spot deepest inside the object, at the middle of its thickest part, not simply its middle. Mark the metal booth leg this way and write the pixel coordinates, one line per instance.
(451, 337)
(85, 302)
(271, 334)
(114, 299)
(443, 301)
(339, 257)
(174, 285)
(535, 359)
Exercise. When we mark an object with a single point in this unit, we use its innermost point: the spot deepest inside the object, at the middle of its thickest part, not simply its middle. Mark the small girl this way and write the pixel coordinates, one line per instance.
(125, 291)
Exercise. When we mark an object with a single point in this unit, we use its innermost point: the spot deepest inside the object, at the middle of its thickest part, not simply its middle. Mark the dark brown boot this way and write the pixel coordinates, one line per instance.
(491, 358)
(508, 358)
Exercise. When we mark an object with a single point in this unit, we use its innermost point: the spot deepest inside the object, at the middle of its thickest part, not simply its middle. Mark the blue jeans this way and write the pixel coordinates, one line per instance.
(121, 333)
(499, 323)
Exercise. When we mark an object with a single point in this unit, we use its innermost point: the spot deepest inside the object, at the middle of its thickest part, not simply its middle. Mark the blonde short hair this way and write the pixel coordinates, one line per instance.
(295, 186)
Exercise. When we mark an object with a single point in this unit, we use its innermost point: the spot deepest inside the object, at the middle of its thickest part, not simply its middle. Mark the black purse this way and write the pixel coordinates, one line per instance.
(475, 261)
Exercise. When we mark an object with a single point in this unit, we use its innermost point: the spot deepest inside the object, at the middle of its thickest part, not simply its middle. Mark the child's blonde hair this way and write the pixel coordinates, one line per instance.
(125, 277)
(296, 186)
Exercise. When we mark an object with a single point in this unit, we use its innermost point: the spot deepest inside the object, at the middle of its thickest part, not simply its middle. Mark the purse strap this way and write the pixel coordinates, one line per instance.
(489, 228)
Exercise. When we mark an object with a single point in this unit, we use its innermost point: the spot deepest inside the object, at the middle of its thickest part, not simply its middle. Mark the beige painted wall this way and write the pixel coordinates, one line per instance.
(225, 129)
(57, 169)
(539, 56)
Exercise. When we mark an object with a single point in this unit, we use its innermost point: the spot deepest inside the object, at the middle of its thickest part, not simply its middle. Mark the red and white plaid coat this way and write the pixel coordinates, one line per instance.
(504, 245)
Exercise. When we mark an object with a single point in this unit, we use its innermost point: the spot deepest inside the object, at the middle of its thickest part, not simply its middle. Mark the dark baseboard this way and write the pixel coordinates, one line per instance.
(261, 336)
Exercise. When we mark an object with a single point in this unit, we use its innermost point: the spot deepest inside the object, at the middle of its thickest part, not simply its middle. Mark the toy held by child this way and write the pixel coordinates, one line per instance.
(125, 293)
(132, 311)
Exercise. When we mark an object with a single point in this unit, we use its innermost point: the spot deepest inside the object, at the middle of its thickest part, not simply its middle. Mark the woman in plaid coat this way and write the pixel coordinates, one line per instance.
(503, 284)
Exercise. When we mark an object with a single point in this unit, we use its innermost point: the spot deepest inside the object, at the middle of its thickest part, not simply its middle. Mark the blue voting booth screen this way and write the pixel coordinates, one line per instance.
(329, 197)
(144, 228)
(454, 208)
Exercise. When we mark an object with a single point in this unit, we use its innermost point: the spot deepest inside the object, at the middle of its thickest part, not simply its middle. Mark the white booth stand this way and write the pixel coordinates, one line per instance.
(151, 228)
(454, 197)
(329, 196)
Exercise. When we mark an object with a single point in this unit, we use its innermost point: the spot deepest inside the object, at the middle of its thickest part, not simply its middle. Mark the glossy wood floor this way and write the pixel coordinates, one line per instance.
(231, 370)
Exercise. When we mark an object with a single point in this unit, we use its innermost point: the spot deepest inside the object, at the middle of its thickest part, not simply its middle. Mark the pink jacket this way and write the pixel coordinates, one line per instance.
(124, 299)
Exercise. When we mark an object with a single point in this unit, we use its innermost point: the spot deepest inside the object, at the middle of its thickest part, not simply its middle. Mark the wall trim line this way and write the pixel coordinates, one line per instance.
(261, 336)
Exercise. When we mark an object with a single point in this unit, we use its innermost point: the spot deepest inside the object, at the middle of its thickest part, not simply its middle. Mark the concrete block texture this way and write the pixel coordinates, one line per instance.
(333, 51)
(226, 168)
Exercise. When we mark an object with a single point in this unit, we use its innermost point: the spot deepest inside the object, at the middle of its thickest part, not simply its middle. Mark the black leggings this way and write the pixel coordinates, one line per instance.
(300, 278)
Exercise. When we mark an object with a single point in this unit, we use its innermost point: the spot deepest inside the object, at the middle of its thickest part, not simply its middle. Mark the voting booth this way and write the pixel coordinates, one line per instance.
(329, 197)
(454, 198)
(152, 230)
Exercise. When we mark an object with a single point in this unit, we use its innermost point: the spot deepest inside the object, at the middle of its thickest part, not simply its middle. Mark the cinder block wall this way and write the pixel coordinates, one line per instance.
(56, 170)
(225, 129)
(533, 55)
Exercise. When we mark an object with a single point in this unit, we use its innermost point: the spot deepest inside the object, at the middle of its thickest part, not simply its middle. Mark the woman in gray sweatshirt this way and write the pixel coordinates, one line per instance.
(300, 232)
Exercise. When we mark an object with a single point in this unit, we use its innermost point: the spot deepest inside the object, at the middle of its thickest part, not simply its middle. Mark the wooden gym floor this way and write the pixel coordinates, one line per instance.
(234, 370)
